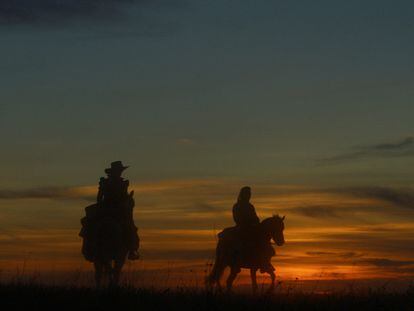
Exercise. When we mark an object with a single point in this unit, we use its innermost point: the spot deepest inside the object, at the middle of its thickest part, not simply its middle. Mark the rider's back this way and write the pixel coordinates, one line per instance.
(113, 198)
(244, 214)
(113, 192)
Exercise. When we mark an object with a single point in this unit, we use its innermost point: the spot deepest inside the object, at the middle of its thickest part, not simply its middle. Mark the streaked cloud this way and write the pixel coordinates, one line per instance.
(60, 11)
(341, 255)
(43, 11)
(315, 211)
(385, 262)
(62, 193)
(401, 197)
(402, 148)
(89, 192)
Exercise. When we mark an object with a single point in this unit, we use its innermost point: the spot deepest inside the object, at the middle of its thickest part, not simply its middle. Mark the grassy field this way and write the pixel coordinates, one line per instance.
(37, 297)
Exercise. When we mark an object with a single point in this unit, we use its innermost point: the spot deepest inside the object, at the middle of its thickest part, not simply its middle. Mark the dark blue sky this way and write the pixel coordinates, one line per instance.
(240, 89)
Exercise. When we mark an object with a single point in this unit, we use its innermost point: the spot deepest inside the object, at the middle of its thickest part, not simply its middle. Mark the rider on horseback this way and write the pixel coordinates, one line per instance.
(248, 244)
(244, 235)
(114, 201)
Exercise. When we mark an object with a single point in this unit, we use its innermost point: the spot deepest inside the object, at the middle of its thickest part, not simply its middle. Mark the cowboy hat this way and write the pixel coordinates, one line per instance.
(116, 166)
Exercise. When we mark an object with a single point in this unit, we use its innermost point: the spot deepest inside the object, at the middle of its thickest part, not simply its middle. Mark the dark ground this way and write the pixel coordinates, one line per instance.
(36, 297)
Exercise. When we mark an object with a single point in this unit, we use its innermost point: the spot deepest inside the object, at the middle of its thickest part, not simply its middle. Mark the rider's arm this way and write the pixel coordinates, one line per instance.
(253, 213)
(236, 214)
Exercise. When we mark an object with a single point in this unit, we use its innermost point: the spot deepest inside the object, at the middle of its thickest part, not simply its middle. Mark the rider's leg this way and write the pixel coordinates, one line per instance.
(254, 280)
(133, 243)
(232, 277)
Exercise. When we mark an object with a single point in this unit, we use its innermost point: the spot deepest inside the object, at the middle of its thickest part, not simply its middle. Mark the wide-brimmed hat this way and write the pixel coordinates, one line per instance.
(116, 166)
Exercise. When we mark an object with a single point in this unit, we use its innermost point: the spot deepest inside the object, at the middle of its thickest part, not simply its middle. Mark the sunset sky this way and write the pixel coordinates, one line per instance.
(308, 102)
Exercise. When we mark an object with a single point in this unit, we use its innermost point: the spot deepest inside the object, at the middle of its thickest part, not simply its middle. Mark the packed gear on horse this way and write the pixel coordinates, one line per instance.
(114, 204)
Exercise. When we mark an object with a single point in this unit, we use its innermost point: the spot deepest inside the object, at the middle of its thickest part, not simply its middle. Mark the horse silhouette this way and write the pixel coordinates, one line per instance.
(106, 243)
(111, 251)
(254, 257)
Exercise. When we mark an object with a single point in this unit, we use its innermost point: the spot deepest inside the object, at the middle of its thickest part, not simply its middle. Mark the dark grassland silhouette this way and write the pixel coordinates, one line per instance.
(36, 297)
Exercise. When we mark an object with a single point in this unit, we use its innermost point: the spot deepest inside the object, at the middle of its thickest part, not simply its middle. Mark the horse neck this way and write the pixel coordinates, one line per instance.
(266, 229)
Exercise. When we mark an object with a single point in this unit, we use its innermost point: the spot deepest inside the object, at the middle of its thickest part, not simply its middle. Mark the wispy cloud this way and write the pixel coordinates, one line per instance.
(166, 187)
(351, 202)
(316, 211)
(385, 262)
(347, 255)
(402, 148)
(401, 197)
(29, 11)
(59, 11)
(47, 193)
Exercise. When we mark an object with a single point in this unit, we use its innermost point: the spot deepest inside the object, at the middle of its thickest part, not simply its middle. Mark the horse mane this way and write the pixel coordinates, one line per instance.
(269, 220)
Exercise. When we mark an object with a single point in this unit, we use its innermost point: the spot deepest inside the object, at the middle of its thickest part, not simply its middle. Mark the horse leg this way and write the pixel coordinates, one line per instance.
(272, 284)
(107, 272)
(254, 280)
(215, 276)
(233, 273)
(116, 271)
(98, 274)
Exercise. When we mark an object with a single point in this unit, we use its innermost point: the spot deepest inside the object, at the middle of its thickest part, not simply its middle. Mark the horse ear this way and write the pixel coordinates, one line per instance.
(283, 218)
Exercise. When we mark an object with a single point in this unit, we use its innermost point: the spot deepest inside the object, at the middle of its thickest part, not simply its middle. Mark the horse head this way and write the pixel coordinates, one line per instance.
(275, 227)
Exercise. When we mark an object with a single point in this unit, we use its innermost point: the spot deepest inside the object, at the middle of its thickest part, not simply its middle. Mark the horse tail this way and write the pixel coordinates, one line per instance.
(219, 265)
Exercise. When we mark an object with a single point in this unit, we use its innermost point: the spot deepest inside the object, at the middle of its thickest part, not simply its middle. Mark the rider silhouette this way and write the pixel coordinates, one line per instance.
(114, 201)
(246, 219)
(244, 213)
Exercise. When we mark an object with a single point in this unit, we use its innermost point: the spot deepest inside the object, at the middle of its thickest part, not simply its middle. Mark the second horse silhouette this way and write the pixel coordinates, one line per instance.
(247, 245)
